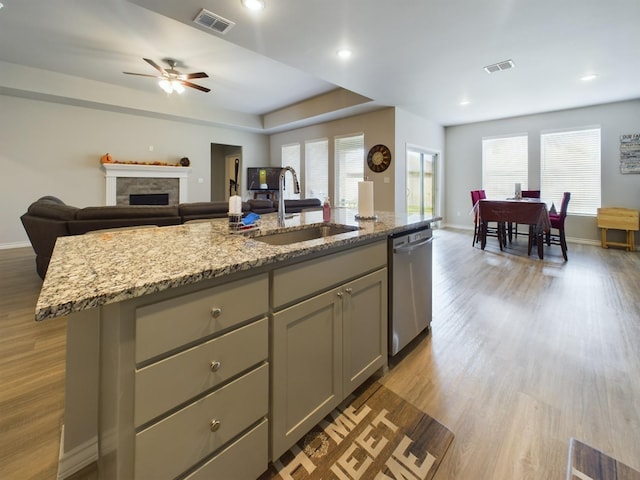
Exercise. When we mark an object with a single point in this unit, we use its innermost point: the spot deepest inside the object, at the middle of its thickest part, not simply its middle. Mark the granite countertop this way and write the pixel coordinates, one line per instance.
(94, 269)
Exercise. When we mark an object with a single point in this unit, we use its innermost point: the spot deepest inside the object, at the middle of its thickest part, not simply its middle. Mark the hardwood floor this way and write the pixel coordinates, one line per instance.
(523, 355)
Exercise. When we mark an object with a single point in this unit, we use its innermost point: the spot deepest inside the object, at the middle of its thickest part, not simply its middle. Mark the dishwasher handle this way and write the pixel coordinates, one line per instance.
(412, 246)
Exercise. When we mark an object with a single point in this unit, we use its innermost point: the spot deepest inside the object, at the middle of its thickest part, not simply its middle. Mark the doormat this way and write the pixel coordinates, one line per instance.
(375, 434)
(587, 463)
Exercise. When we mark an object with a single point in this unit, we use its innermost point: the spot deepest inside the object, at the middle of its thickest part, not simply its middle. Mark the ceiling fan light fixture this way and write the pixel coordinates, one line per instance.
(254, 5)
(177, 86)
(170, 86)
(165, 85)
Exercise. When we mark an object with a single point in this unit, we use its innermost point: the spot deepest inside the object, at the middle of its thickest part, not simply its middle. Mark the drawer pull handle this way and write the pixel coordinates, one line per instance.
(215, 366)
(214, 425)
(216, 312)
(348, 290)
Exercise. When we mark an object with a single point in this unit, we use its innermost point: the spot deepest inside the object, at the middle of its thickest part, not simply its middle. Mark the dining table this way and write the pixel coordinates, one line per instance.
(526, 211)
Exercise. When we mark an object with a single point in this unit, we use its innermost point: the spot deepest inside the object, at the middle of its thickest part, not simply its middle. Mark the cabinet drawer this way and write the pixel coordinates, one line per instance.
(169, 324)
(179, 441)
(174, 380)
(244, 459)
(307, 278)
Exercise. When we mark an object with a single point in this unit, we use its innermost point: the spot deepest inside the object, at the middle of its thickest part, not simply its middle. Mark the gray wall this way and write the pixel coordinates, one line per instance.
(392, 127)
(464, 159)
(54, 149)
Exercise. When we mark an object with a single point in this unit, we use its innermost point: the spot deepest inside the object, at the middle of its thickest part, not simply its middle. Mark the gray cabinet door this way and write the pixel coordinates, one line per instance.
(365, 328)
(306, 367)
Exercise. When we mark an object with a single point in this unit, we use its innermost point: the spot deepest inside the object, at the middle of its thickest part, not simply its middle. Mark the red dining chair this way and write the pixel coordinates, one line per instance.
(475, 196)
(491, 231)
(557, 222)
(527, 194)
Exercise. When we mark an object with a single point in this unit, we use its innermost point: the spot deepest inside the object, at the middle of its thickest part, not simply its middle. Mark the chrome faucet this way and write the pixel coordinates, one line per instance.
(296, 189)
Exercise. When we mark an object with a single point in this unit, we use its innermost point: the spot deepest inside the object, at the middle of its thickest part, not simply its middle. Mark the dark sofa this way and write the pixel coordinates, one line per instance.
(49, 218)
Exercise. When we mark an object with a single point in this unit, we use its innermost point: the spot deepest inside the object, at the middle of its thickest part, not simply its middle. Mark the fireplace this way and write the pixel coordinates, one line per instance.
(124, 180)
(149, 199)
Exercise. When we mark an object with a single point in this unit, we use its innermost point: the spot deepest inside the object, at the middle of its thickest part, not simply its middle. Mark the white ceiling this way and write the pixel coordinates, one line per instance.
(424, 56)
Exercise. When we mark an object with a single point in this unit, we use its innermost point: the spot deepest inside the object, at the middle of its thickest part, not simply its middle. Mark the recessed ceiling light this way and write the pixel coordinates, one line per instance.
(1, 5)
(587, 78)
(253, 4)
(464, 102)
(344, 53)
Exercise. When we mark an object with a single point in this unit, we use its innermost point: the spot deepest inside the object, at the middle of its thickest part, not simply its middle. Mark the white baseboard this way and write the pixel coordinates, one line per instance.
(7, 246)
(78, 458)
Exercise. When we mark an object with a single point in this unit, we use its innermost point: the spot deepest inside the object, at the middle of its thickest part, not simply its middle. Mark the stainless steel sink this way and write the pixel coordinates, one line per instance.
(311, 232)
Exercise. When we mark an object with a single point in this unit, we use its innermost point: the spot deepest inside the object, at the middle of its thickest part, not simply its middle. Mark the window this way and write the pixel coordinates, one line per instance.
(291, 158)
(316, 166)
(504, 163)
(349, 169)
(570, 162)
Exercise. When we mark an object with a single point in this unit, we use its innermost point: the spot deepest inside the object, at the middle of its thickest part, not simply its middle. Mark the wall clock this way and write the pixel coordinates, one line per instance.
(379, 158)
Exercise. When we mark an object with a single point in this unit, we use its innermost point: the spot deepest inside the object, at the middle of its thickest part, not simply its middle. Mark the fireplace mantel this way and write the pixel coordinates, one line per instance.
(115, 170)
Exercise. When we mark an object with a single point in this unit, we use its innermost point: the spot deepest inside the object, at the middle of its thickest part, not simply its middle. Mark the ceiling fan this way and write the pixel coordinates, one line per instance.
(170, 79)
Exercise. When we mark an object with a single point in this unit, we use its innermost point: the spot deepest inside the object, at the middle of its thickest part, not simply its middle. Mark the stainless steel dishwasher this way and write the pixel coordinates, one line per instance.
(410, 291)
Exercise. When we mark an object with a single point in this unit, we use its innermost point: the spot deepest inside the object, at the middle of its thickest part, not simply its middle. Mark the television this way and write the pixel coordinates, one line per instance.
(263, 178)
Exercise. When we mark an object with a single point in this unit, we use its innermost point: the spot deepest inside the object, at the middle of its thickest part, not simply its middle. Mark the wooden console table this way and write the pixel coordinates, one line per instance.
(618, 219)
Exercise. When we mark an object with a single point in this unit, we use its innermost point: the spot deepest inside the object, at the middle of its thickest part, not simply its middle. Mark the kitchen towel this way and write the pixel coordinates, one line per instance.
(365, 199)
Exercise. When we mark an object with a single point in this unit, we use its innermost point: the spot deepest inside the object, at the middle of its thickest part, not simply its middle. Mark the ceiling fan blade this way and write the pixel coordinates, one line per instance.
(189, 76)
(155, 65)
(193, 85)
(140, 74)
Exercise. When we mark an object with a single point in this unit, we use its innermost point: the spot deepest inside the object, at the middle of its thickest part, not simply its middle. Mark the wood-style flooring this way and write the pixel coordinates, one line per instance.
(524, 354)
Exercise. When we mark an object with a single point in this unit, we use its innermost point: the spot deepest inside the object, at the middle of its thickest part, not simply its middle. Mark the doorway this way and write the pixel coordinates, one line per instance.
(226, 160)
(422, 167)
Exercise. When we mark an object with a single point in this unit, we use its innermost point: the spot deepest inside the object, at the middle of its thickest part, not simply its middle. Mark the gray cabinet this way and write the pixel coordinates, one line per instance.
(324, 346)
(185, 383)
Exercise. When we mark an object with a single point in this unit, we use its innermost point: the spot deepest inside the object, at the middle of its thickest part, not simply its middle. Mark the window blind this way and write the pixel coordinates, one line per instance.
(316, 169)
(570, 162)
(504, 163)
(349, 170)
(291, 158)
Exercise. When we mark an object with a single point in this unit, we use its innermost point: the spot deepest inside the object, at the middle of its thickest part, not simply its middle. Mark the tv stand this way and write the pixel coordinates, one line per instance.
(267, 194)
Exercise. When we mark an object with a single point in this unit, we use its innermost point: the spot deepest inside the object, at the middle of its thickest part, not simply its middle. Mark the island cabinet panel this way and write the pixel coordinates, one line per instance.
(305, 279)
(170, 324)
(325, 346)
(364, 328)
(307, 367)
(178, 442)
(176, 379)
(244, 459)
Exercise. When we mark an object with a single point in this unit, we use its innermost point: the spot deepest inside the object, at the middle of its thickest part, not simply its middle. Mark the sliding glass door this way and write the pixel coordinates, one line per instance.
(421, 181)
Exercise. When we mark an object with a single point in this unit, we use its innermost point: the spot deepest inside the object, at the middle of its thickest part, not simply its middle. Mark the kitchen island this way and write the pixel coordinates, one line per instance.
(193, 352)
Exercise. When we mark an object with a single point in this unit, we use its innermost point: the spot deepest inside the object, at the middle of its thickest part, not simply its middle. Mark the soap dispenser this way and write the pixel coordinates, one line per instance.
(326, 210)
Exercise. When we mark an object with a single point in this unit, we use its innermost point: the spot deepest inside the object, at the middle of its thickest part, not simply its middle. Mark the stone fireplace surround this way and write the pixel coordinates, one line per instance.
(123, 179)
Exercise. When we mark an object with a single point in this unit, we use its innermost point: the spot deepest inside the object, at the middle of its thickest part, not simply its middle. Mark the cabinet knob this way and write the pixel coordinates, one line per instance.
(214, 425)
(214, 366)
(216, 312)
(348, 290)
(339, 294)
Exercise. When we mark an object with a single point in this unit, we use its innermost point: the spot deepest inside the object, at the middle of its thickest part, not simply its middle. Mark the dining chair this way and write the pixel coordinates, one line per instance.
(527, 194)
(557, 222)
(475, 196)
(491, 231)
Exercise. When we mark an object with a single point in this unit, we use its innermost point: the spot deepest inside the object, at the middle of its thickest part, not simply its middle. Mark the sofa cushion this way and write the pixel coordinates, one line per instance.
(297, 206)
(128, 212)
(52, 210)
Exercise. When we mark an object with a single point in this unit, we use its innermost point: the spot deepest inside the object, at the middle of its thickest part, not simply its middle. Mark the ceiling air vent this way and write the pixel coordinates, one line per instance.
(213, 22)
(497, 67)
